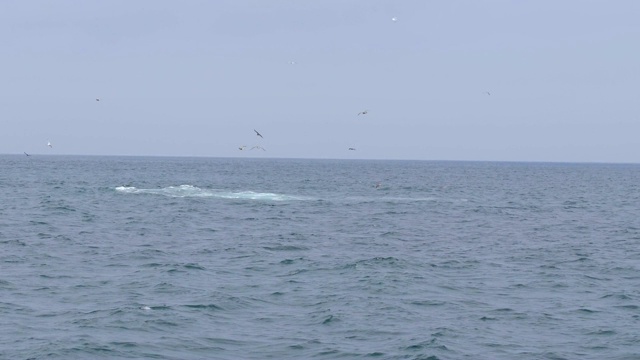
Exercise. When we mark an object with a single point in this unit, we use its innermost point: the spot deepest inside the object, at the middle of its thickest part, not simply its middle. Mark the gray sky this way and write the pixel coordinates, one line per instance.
(194, 78)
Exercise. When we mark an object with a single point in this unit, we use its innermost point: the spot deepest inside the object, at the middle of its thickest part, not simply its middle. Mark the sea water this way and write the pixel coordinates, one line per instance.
(210, 258)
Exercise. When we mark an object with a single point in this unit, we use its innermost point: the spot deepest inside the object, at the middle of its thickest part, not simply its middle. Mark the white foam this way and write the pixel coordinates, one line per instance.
(194, 191)
(128, 189)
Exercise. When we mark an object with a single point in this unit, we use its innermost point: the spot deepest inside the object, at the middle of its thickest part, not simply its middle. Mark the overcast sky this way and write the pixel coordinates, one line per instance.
(195, 78)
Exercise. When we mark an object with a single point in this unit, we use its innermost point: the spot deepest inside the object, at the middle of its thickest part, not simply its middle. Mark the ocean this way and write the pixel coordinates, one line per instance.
(238, 258)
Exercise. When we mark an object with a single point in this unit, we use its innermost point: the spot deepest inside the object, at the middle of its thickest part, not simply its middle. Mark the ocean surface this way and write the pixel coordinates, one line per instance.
(213, 258)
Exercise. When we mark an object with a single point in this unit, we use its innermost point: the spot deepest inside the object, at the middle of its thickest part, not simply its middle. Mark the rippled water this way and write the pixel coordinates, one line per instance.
(196, 258)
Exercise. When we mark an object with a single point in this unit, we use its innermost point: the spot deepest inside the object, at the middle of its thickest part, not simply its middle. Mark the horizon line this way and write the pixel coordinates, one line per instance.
(329, 158)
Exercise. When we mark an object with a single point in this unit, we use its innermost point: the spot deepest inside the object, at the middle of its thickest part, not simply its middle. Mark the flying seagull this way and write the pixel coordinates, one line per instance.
(27, 154)
(488, 93)
(363, 112)
(242, 147)
(394, 19)
(257, 133)
(49, 144)
(259, 147)
(352, 148)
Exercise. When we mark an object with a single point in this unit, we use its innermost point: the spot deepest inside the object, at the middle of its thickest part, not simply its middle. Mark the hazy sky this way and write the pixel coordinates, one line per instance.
(194, 78)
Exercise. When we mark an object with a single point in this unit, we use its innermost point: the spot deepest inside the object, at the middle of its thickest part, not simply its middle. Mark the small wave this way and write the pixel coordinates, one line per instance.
(329, 319)
(428, 302)
(194, 191)
(212, 307)
(285, 248)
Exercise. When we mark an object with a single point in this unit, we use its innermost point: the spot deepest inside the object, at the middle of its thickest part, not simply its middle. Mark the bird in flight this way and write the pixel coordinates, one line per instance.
(259, 147)
(49, 144)
(257, 133)
(352, 149)
(27, 154)
(97, 99)
(488, 93)
(363, 112)
(242, 147)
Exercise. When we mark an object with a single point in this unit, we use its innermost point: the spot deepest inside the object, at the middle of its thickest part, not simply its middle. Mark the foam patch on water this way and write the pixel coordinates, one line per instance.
(194, 191)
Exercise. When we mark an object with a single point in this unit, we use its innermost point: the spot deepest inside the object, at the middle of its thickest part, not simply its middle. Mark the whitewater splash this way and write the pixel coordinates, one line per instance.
(194, 191)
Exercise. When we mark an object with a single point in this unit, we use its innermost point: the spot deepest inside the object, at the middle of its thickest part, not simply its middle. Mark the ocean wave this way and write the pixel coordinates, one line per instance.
(194, 191)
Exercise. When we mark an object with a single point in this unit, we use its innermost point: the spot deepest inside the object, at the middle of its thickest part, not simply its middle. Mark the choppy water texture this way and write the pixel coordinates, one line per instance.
(179, 258)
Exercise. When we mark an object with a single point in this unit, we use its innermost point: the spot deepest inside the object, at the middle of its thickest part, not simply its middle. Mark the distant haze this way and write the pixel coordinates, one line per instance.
(440, 80)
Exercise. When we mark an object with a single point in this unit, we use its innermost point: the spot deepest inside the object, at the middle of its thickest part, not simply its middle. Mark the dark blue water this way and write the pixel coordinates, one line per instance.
(196, 258)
